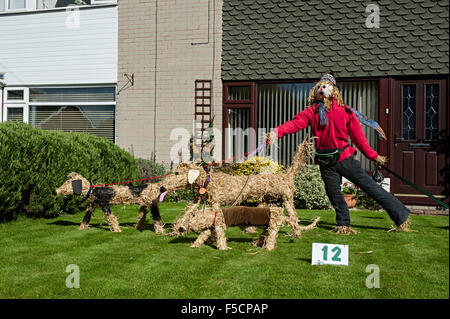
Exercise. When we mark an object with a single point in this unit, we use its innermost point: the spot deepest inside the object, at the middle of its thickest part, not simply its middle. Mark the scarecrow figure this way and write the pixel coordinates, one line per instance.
(332, 122)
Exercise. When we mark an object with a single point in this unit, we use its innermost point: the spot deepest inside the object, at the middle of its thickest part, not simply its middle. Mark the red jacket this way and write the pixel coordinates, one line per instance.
(342, 123)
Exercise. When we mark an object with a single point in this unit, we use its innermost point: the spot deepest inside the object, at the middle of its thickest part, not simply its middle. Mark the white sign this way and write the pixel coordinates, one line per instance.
(329, 254)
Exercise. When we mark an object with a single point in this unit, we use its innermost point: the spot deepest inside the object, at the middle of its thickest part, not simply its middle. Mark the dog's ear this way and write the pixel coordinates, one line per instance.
(193, 175)
(72, 175)
(77, 187)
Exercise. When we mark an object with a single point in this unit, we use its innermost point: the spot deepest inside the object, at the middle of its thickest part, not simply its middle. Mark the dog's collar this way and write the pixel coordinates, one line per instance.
(202, 189)
(208, 177)
(89, 191)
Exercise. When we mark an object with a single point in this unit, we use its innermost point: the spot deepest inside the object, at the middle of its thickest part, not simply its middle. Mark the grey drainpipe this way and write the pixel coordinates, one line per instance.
(2, 85)
(3, 102)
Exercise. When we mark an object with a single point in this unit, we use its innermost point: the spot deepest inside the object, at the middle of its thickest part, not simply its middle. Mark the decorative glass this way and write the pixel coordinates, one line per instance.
(409, 112)
(431, 111)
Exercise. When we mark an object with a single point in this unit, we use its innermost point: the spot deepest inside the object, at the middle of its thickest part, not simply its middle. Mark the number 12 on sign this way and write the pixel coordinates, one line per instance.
(331, 254)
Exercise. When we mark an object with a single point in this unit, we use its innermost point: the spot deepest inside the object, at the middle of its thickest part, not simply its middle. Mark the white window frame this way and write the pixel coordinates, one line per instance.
(12, 88)
(25, 103)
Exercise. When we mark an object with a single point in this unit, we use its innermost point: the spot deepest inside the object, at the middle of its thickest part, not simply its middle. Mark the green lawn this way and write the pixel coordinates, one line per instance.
(132, 264)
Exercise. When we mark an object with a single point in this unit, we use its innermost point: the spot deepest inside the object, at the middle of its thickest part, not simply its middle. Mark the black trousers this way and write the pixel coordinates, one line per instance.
(351, 169)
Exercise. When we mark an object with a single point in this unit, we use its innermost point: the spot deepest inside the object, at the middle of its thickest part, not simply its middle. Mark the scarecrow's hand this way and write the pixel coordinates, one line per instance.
(381, 160)
(271, 137)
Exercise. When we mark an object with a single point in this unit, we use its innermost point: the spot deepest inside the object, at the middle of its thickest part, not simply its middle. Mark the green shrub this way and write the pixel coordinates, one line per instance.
(310, 190)
(186, 195)
(150, 168)
(253, 165)
(34, 162)
(364, 201)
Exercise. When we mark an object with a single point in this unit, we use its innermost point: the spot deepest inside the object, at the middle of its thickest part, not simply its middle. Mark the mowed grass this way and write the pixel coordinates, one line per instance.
(34, 255)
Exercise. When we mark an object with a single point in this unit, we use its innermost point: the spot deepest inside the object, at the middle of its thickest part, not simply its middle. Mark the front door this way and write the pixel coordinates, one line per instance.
(420, 116)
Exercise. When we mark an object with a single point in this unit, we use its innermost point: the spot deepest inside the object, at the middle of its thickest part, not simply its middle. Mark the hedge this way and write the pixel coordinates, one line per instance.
(34, 162)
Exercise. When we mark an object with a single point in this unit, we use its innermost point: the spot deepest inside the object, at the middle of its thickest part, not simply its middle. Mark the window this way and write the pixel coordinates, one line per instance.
(238, 133)
(21, 5)
(78, 109)
(14, 95)
(47, 4)
(103, 1)
(239, 119)
(280, 102)
(14, 114)
(88, 94)
(85, 109)
(17, 4)
(94, 119)
(239, 93)
(13, 5)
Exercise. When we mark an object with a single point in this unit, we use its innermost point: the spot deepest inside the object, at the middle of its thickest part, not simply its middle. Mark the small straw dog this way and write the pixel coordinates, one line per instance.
(144, 196)
(204, 222)
(225, 189)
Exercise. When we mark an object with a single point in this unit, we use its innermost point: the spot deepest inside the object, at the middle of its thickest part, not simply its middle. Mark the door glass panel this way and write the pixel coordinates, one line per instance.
(238, 133)
(239, 93)
(431, 111)
(409, 112)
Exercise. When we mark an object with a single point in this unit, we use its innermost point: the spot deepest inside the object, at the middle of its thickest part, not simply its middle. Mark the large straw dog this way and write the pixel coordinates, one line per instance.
(225, 189)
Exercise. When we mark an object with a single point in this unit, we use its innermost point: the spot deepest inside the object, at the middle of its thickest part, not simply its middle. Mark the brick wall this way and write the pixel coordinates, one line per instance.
(162, 32)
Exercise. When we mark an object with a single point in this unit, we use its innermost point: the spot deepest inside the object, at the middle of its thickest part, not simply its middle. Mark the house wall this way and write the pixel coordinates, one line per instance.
(47, 47)
(157, 36)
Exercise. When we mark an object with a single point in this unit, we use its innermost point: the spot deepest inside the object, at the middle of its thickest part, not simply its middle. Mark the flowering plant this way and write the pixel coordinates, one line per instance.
(349, 189)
